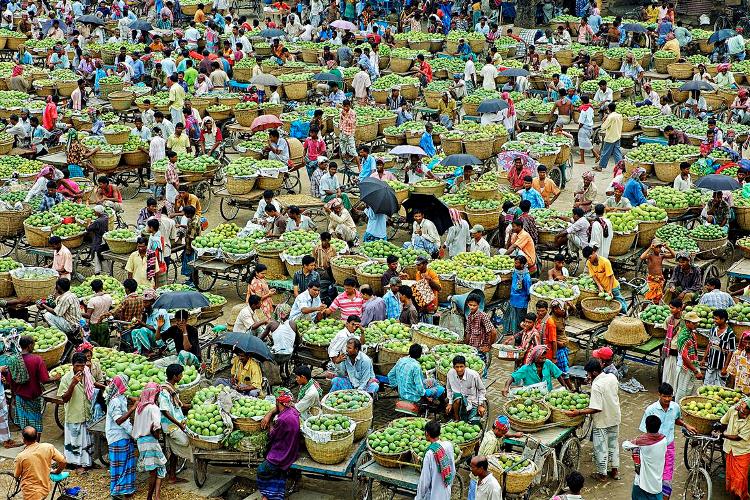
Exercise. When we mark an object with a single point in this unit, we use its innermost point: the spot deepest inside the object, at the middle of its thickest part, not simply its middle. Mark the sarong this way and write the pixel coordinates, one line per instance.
(584, 138)
(151, 457)
(655, 287)
(464, 413)
(143, 339)
(78, 444)
(29, 412)
(671, 370)
(639, 494)
(562, 360)
(100, 333)
(666, 478)
(271, 481)
(512, 321)
(4, 430)
(737, 466)
(341, 383)
(122, 467)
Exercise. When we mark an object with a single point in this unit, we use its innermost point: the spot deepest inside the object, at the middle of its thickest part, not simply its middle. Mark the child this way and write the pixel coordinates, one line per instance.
(479, 331)
(559, 272)
(574, 480)
(527, 337)
(545, 325)
(722, 342)
(654, 257)
(559, 315)
(520, 294)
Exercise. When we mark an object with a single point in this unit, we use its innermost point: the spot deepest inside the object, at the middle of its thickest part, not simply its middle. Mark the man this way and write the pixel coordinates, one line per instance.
(361, 84)
(433, 280)
(545, 186)
(714, 296)
(413, 388)
(722, 342)
(352, 329)
(330, 186)
(33, 464)
(62, 259)
(173, 421)
(392, 270)
(340, 221)
(137, 263)
(649, 469)
(349, 302)
(245, 375)
(248, 320)
(683, 182)
(549, 62)
(736, 46)
(517, 173)
(284, 439)
(604, 406)
(478, 242)
(185, 199)
(391, 298)
(184, 336)
(604, 96)
(305, 275)
(530, 194)
(51, 197)
(479, 333)
(108, 194)
(612, 129)
(424, 70)
(97, 311)
(307, 305)
(131, 308)
(77, 413)
(278, 147)
(355, 371)
(28, 394)
(373, 308)
(736, 436)
(438, 466)
(275, 222)
(426, 142)
(466, 393)
(600, 270)
(66, 315)
(686, 342)
(521, 243)
(487, 486)
(323, 252)
(447, 113)
(601, 232)
(398, 105)
(176, 96)
(425, 235)
(604, 356)
(685, 282)
(489, 73)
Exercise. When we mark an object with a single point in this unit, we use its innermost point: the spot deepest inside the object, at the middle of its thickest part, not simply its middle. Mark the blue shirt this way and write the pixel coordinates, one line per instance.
(392, 305)
(634, 193)
(368, 167)
(116, 408)
(533, 196)
(407, 375)
(138, 69)
(26, 58)
(77, 9)
(595, 22)
(520, 289)
(168, 66)
(98, 75)
(375, 223)
(527, 374)
(360, 372)
(49, 201)
(668, 418)
(303, 300)
(426, 144)
(337, 98)
(156, 314)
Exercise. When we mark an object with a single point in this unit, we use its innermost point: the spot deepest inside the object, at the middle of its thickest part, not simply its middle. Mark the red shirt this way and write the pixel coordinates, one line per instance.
(110, 192)
(549, 335)
(425, 68)
(38, 375)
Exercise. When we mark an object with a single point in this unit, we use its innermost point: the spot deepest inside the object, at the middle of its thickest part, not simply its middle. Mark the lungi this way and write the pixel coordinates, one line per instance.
(122, 467)
(639, 494)
(562, 361)
(151, 457)
(29, 412)
(100, 333)
(671, 370)
(666, 478)
(687, 384)
(737, 466)
(78, 444)
(584, 138)
(713, 377)
(271, 481)
(512, 321)
(655, 287)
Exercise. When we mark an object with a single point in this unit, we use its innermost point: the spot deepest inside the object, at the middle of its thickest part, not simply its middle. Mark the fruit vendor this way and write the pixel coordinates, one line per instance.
(425, 235)
(152, 324)
(184, 336)
(186, 198)
(722, 343)
(717, 210)
(245, 375)
(736, 436)
(146, 432)
(670, 416)
(251, 318)
(373, 308)
(330, 187)
(77, 391)
(284, 439)
(268, 199)
(173, 422)
(654, 256)
(51, 197)
(438, 466)
(600, 270)
(714, 296)
(308, 397)
(466, 393)
(537, 368)
(108, 194)
(62, 259)
(686, 280)
(586, 193)
(355, 371)
(527, 192)
(413, 388)
(521, 244)
(478, 243)
(545, 186)
(307, 305)
(66, 315)
(352, 329)
(686, 343)
(517, 173)
(29, 404)
(635, 190)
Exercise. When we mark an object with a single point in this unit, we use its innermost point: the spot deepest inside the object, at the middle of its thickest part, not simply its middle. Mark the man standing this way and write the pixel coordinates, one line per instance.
(76, 390)
(651, 448)
(28, 389)
(487, 486)
(62, 259)
(173, 421)
(33, 464)
(545, 186)
(438, 467)
(478, 242)
(604, 407)
(283, 439)
(373, 308)
(736, 438)
(480, 332)
(176, 98)
(721, 344)
(391, 298)
(612, 129)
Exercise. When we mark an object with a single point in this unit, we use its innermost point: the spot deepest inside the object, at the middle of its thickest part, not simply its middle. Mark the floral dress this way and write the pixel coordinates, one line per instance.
(260, 288)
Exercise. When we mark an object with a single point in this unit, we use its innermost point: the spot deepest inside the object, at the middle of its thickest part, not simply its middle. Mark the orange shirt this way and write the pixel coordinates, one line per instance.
(548, 191)
(524, 243)
(32, 465)
(199, 17)
(549, 335)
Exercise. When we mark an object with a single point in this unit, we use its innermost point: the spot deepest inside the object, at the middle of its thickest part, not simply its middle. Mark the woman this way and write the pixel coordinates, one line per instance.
(146, 431)
(48, 173)
(210, 137)
(259, 286)
(736, 434)
(76, 152)
(156, 322)
(537, 369)
(69, 188)
(717, 210)
(49, 116)
(118, 430)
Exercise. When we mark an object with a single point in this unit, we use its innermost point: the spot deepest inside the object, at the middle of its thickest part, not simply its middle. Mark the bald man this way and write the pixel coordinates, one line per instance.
(33, 463)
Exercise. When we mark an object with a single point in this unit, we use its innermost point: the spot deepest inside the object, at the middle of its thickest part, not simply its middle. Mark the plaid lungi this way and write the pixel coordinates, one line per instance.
(29, 412)
(122, 467)
(562, 360)
(151, 457)
(271, 481)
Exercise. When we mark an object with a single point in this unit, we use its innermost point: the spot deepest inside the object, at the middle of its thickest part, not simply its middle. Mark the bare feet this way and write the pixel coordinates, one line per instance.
(176, 480)
(614, 474)
(599, 477)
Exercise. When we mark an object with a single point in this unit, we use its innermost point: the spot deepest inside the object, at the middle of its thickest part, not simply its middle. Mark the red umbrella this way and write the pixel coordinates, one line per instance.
(265, 122)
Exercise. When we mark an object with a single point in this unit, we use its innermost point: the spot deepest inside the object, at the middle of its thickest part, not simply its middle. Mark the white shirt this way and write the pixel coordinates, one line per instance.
(245, 320)
(246, 46)
(489, 72)
(469, 70)
(429, 231)
(304, 300)
(652, 465)
(167, 129)
(598, 239)
(488, 488)
(551, 63)
(586, 118)
(480, 246)
(603, 97)
(275, 98)
(147, 117)
(157, 150)
(681, 184)
(457, 238)
(605, 397)
(283, 339)
(192, 35)
(261, 212)
(338, 344)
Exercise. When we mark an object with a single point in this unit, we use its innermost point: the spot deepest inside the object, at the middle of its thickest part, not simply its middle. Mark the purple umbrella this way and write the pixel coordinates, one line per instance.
(344, 25)
(505, 160)
(408, 150)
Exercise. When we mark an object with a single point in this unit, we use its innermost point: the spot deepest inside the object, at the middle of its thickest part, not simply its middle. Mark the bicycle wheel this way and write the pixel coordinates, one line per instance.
(129, 184)
(291, 183)
(10, 486)
(206, 281)
(203, 191)
(698, 485)
(229, 208)
(570, 454)
(550, 480)
(241, 282)
(692, 453)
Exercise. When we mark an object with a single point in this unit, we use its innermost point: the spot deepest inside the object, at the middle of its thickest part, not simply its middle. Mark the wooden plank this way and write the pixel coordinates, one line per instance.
(404, 477)
(306, 464)
(59, 159)
(740, 269)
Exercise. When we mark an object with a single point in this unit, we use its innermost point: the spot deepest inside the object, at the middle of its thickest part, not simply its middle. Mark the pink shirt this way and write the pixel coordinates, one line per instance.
(62, 262)
(387, 176)
(348, 306)
(314, 148)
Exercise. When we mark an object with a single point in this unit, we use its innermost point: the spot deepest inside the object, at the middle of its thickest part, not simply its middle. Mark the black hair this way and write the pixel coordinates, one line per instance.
(350, 282)
(459, 360)
(665, 389)
(406, 291)
(130, 285)
(63, 284)
(307, 260)
(353, 318)
(97, 285)
(355, 342)
(253, 300)
(366, 290)
(587, 251)
(25, 341)
(79, 358)
(652, 424)
(474, 297)
(51, 185)
(522, 259)
(173, 370)
(721, 313)
(303, 371)
(391, 259)
(432, 429)
(575, 481)
(599, 210)
(525, 205)
(593, 365)
(189, 210)
(182, 314)
(714, 282)
(153, 224)
(559, 258)
(415, 351)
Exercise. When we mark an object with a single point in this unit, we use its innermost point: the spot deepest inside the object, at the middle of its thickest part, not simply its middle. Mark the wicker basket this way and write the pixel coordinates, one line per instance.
(340, 273)
(240, 185)
(481, 149)
(52, 355)
(621, 243)
(273, 109)
(666, 171)
(366, 133)
(121, 101)
(245, 117)
(452, 146)
(705, 47)
(400, 65)
(317, 351)
(432, 98)
(713, 101)
(626, 331)
(272, 183)
(244, 74)
(295, 91)
(6, 285)
(611, 64)
(385, 122)
(273, 262)
(661, 63)
(410, 92)
(742, 215)
(526, 425)
(362, 417)
(107, 88)
(420, 337)
(246, 424)
(373, 280)
(74, 241)
(436, 191)
(11, 221)
(488, 289)
(590, 304)
(395, 139)
(380, 95)
(679, 96)
(447, 288)
(187, 391)
(105, 162)
(680, 71)
(121, 247)
(387, 359)
(629, 124)
(488, 219)
(37, 237)
(219, 116)
(402, 195)
(515, 482)
(388, 460)
(40, 288)
(647, 231)
(333, 452)
(707, 245)
(14, 42)
(559, 417)
(655, 331)
(203, 444)
(116, 138)
(136, 158)
(702, 425)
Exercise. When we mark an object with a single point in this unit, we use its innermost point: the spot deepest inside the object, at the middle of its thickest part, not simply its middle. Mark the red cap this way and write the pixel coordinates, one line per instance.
(603, 353)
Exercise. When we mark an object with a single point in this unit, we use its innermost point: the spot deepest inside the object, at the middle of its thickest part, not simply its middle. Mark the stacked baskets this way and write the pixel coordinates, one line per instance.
(361, 417)
(625, 331)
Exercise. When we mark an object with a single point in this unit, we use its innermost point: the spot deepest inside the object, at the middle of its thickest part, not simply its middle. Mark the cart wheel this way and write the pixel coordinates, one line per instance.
(241, 282)
(219, 177)
(173, 271)
(129, 184)
(318, 216)
(229, 208)
(102, 450)
(119, 273)
(548, 486)
(203, 191)
(200, 468)
(698, 485)
(556, 175)
(8, 245)
(60, 416)
(711, 272)
(361, 486)
(583, 431)
(206, 281)
(725, 259)
(570, 454)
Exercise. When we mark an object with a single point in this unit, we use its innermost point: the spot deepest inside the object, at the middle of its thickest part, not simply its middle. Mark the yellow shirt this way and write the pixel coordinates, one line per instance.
(447, 108)
(602, 271)
(176, 97)
(179, 144)
(736, 426)
(32, 466)
(136, 265)
(652, 14)
(673, 45)
(199, 17)
(248, 374)
(192, 201)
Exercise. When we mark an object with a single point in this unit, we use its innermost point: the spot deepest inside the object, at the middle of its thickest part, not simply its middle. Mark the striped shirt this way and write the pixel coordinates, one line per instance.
(348, 305)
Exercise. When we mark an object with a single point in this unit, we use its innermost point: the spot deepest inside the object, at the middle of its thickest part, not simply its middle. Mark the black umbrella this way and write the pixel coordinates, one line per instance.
(327, 77)
(140, 25)
(492, 106)
(272, 33)
(181, 300)
(434, 210)
(634, 27)
(89, 19)
(721, 35)
(511, 72)
(246, 343)
(460, 160)
(697, 85)
(378, 195)
(717, 182)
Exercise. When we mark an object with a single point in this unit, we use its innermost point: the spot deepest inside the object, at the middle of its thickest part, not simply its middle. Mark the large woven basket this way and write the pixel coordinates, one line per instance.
(107, 88)
(447, 288)
(121, 100)
(373, 280)
(187, 391)
(11, 221)
(340, 273)
(488, 219)
(559, 417)
(273, 262)
(410, 92)
(626, 331)
(666, 171)
(611, 64)
(14, 42)
(116, 138)
(203, 444)
(333, 452)
(481, 149)
(105, 162)
(52, 355)
(6, 285)
(680, 71)
(295, 91)
(714, 101)
(240, 185)
(452, 146)
(400, 65)
(488, 289)
(121, 247)
(362, 417)
(317, 351)
(590, 304)
(272, 183)
(246, 424)
(366, 133)
(702, 425)
(621, 243)
(37, 237)
(39, 288)
(661, 64)
(515, 482)
(673, 213)
(647, 231)
(525, 425)
(742, 215)
(707, 245)
(655, 331)
(380, 95)
(74, 241)
(629, 124)
(437, 191)
(420, 337)
(245, 117)
(388, 460)
(387, 359)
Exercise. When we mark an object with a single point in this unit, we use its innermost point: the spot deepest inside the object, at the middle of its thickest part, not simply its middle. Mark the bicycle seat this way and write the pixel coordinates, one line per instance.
(59, 477)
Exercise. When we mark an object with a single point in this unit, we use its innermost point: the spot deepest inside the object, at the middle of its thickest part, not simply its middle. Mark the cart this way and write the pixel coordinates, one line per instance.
(215, 269)
(739, 271)
(121, 259)
(230, 204)
(50, 397)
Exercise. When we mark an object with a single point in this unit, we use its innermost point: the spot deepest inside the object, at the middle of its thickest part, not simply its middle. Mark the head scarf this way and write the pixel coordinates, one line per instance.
(149, 294)
(502, 423)
(334, 203)
(455, 216)
(617, 186)
(285, 398)
(511, 107)
(637, 173)
(560, 304)
(742, 93)
(85, 346)
(588, 176)
(536, 353)
(683, 254)
(45, 171)
(118, 386)
(723, 67)
(148, 396)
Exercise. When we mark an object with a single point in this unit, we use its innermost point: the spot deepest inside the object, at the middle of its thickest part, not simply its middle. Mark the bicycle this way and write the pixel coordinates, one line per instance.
(699, 459)
(11, 485)
(637, 287)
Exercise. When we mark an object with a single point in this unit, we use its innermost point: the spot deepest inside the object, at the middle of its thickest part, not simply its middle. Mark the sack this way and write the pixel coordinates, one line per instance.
(299, 129)
(271, 372)
(423, 294)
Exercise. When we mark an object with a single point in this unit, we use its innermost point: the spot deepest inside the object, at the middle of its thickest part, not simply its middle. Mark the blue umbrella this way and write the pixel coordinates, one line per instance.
(48, 24)
(327, 77)
(140, 25)
(272, 33)
(460, 160)
(181, 300)
(513, 72)
(717, 182)
(247, 343)
(634, 27)
(721, 35)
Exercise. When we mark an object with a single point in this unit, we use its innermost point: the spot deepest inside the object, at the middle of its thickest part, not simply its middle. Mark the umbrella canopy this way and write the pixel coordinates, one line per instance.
(492, 106)
(327, 77)
(697, 85)
(506, 159)
(460, 160)
(717, 182)
(511, 72)
(635, 28)
(378, 195)
(721, 35)
(181, 300)
(265, 122)
(272, 33)
(344, 25)
(266, 80)
(89, 19)
(247, 343)
(138, 25)
(48, 24)
(408, 150)
(434, 210)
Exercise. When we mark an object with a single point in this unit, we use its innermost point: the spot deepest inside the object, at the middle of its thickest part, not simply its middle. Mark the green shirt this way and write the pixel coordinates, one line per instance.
(78, 409)
(191, 75)
(527, 374)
